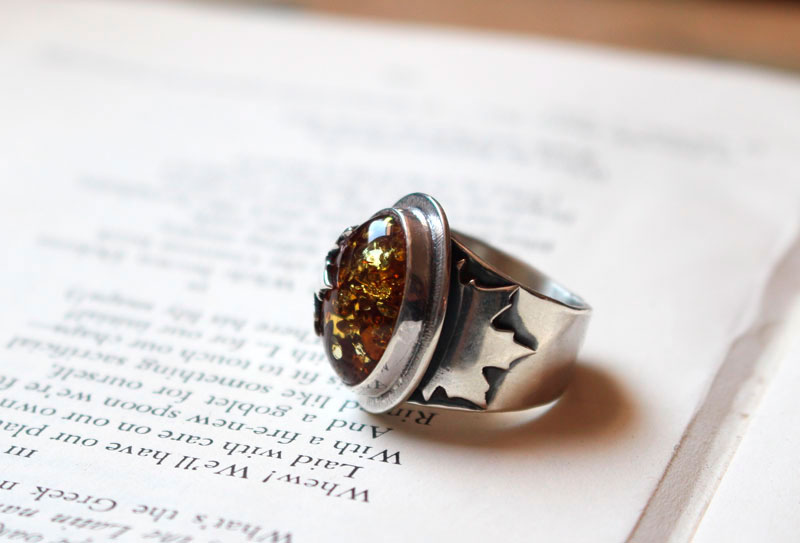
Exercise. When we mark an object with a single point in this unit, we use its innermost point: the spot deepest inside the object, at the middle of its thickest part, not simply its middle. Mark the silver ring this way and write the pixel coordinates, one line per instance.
(414, 312)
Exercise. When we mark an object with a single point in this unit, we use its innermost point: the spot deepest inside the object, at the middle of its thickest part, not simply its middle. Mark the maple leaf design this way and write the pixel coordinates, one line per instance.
(478, 343)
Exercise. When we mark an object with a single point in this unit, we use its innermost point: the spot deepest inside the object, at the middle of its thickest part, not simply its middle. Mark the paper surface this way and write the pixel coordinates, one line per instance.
(173, 177)
(757, 499)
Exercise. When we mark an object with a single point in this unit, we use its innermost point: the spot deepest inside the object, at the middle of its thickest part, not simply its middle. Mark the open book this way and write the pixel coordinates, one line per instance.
(172, 176)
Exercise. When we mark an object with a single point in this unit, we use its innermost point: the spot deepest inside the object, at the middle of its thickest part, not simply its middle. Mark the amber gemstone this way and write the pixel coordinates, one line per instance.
(359, 312)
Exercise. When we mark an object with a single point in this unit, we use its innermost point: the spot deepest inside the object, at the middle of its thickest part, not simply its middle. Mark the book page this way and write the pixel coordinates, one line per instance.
(172, 178)
(757, 499)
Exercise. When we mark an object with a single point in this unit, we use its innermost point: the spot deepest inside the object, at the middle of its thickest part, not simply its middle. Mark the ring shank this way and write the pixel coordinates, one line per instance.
(510, 337)
(518, 272)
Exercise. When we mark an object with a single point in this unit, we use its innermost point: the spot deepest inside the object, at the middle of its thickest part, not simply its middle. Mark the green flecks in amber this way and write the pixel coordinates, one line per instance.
(359, 312)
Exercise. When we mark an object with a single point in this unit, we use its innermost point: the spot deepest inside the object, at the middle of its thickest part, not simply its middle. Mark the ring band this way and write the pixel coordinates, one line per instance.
(413, 312)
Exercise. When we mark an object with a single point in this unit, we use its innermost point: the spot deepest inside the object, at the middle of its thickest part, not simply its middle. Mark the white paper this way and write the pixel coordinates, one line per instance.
(757, 499)
(173, 176)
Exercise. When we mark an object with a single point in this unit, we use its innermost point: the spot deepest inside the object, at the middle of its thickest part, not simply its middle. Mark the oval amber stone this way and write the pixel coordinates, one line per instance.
(360, 311)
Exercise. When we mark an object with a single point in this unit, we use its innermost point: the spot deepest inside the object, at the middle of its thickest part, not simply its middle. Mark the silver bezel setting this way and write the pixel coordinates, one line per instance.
(421, 314)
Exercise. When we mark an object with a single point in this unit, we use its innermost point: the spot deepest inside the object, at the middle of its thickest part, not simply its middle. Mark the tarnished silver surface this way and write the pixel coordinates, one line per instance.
(477, 329)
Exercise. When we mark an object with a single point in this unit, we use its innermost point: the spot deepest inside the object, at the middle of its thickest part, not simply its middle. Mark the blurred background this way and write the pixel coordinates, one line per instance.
(763, 33)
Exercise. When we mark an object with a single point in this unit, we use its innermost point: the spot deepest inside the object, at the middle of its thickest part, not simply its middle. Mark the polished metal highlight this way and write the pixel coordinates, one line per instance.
(477, 330)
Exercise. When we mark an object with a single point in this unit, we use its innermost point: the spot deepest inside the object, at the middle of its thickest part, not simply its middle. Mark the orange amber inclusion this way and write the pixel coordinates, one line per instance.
(359, 312)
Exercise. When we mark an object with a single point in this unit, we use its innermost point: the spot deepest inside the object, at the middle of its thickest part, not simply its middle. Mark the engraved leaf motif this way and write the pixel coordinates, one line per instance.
(479, 344)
